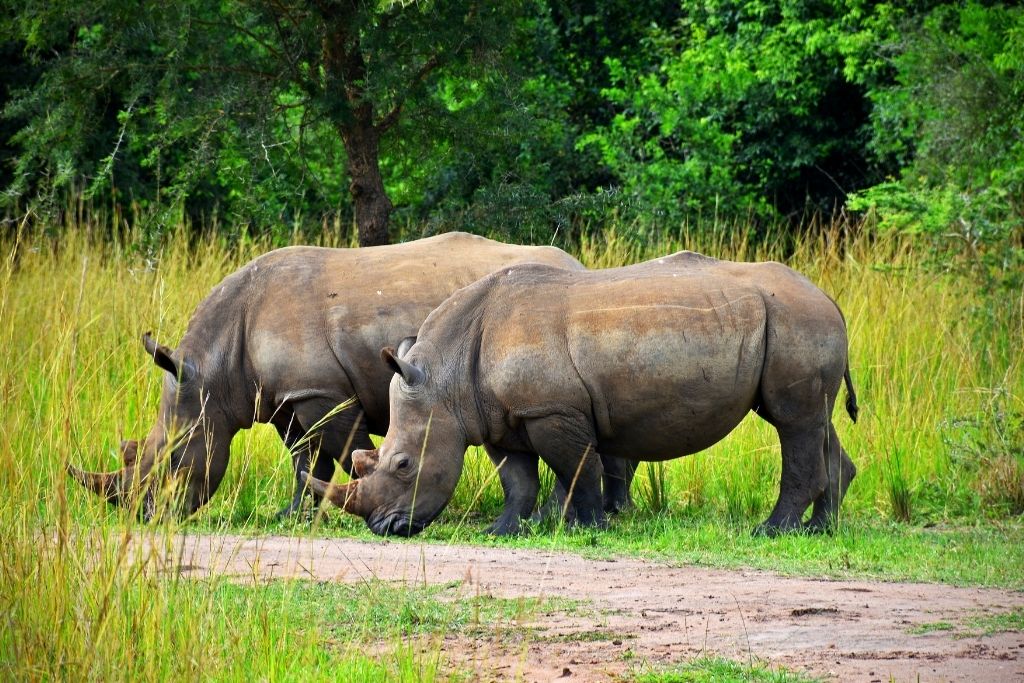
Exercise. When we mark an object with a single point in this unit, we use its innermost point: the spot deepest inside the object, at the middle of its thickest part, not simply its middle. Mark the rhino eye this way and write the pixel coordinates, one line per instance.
(402, 464)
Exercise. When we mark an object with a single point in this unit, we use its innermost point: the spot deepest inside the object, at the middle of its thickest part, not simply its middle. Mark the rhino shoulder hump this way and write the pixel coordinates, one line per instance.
(688, 257)
(527, 273)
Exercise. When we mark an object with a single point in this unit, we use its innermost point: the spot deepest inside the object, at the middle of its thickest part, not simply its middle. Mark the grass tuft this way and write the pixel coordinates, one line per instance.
(719, 670)
(899, 488)
(653, 489)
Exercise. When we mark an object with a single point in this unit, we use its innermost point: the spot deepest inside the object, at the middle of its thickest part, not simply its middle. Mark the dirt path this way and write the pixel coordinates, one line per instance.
(643, 611)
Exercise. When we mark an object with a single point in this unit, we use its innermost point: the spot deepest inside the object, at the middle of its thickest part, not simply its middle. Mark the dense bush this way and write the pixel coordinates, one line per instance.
(955, 113)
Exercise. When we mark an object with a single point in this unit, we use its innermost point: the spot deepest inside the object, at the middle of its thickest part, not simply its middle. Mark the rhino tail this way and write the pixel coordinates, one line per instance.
(851, 395)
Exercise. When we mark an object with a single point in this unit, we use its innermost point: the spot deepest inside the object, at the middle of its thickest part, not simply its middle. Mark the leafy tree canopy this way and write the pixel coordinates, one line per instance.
(267, 105)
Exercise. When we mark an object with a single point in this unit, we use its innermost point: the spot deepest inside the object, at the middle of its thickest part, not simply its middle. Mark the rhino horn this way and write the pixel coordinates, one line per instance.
(105, 484)
(345, 496)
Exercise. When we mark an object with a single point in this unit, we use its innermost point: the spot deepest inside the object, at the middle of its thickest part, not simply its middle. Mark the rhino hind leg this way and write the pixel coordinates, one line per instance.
(841, 471)
(291, 434)
(804, 479)
(520, 484)
(618, 475)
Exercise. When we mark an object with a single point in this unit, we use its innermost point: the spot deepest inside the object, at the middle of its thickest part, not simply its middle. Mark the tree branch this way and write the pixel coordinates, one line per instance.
(391, 118)
(293, 65)
(244, 31)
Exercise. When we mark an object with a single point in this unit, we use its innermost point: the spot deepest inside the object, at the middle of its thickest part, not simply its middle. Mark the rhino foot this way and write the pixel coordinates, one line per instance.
(616, 505)
(297, 511)
(771, 529)
(820, 524)
(552, 509)
(504, 526)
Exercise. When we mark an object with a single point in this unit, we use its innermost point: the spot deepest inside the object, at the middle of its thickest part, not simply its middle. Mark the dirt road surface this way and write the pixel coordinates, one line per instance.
(656, 613)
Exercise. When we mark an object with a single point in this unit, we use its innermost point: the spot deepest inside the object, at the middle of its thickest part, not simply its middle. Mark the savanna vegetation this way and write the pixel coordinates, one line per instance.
(148, 149)
(938, 446)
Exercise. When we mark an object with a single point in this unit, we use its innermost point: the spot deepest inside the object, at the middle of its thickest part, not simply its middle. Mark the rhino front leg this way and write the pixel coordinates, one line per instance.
(520, 484)
(803, 478)
(618, 475)
(841, 472)
(315, 444)
(567, 446)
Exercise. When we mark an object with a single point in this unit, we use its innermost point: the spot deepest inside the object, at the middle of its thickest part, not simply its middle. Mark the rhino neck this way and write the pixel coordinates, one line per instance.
(229, 387)
(460, 388)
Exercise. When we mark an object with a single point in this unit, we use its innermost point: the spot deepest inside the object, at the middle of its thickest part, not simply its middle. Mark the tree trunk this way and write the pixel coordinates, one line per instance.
(373, 208)
(345, 70)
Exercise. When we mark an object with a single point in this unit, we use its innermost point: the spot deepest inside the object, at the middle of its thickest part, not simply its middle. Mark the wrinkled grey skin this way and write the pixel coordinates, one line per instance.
(285, 340)
(648, 362)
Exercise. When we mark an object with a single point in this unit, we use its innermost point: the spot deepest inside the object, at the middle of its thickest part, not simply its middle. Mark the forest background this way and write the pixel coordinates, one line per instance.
(526, 120)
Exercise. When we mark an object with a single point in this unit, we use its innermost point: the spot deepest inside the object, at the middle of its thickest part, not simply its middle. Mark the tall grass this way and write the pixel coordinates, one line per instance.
(74, 380)
(77, 602)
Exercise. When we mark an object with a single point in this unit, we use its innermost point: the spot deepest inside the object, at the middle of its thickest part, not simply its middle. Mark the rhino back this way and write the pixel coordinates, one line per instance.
(663, 361)
(320, 317)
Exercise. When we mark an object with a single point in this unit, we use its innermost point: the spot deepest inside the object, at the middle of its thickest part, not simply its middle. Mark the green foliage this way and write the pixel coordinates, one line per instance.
(743, 110)
(534, 120)
(954, 114)
(990, 445)
(244, 111)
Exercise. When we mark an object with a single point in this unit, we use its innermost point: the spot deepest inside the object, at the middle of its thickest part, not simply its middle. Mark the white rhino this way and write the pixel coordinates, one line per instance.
(648, 362)
(286, 339)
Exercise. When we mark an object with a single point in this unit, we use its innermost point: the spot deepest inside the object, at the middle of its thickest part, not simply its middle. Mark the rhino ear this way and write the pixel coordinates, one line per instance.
(129, 452)
(164, 359)
(404, 346)
(409, 372)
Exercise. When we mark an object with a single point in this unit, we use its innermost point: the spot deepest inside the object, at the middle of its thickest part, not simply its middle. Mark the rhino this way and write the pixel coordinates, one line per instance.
(285, 340)
(644, 363)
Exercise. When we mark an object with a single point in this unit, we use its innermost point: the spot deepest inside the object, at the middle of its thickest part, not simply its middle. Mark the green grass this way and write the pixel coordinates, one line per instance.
(977, 555)
(987, 624)
(977, 625)
(938, 497)
(717, 670)
(120, 620)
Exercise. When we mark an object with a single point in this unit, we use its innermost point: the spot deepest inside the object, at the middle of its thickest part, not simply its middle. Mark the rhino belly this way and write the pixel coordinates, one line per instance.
(669, 380)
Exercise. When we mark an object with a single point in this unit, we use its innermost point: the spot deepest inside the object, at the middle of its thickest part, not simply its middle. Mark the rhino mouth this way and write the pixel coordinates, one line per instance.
(395, 524)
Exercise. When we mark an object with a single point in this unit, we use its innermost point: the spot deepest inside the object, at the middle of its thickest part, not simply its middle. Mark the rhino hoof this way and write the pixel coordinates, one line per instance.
(296, 512)
(766, 530)
(818, 525)
(503, 527)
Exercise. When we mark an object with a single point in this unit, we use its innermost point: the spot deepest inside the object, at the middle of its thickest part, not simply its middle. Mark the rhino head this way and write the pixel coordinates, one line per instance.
(183, 458)
(408, 481)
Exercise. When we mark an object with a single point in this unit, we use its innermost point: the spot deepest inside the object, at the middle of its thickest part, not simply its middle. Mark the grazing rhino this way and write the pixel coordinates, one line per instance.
(647, 362)
(285, 340)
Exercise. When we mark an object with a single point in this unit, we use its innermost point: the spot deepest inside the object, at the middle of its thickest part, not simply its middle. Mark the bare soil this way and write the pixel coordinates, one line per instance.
(637, 612)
